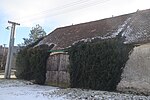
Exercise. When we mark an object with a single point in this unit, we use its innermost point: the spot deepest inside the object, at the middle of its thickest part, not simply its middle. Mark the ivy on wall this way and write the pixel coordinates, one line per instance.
(98, 64)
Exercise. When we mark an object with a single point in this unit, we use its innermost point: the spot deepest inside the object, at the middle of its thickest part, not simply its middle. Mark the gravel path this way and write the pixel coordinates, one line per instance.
(80, 94)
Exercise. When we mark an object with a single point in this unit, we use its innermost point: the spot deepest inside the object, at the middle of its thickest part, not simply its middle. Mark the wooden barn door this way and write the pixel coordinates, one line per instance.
(57, 70)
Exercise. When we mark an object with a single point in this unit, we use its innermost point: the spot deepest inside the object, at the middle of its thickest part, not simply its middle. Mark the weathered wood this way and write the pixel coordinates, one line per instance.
(53, 63)
(63, 65)
(64, 78)
(52, 77)
(57, 70)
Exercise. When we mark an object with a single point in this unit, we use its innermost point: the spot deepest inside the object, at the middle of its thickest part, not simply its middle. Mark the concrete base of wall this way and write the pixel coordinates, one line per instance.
(136, 87)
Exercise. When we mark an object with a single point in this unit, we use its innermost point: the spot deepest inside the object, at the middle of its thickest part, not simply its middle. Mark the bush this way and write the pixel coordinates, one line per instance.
(23, 69)
(31, 64)
(98, 64)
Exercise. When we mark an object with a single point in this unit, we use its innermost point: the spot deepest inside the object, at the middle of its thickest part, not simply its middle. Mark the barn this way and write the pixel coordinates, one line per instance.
(135, 27)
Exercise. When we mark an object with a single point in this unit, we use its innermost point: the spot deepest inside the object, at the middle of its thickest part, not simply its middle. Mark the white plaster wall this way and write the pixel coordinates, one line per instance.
(136, 74)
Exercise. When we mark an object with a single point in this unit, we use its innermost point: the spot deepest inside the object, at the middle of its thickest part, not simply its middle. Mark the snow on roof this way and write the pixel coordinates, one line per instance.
(135, 27)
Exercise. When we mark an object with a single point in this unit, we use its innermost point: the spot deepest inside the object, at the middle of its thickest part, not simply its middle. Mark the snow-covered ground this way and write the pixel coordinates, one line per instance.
(23, 90)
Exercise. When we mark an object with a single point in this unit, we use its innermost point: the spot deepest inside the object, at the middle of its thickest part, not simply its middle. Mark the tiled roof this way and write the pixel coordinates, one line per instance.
(134, 26)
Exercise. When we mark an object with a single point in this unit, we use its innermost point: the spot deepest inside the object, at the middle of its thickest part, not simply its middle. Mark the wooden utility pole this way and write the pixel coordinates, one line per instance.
(10, 50)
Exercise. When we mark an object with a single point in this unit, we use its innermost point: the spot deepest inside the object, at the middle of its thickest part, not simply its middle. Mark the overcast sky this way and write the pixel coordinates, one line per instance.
(51, 14)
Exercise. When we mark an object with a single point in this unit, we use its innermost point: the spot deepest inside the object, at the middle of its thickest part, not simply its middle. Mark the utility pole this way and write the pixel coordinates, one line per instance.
(10, 50)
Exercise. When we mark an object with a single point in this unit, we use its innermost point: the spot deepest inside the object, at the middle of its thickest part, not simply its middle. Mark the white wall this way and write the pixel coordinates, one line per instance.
(136, 75)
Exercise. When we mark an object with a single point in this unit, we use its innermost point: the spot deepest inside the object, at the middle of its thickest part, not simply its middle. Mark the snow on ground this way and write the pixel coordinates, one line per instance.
(24, 90)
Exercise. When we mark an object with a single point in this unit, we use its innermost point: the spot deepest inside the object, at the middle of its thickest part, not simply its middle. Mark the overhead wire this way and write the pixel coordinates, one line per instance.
(74, 6)
(56, 8)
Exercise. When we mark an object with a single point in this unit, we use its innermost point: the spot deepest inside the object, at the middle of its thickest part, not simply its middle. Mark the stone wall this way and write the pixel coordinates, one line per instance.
(57, 70)
(136, 75)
